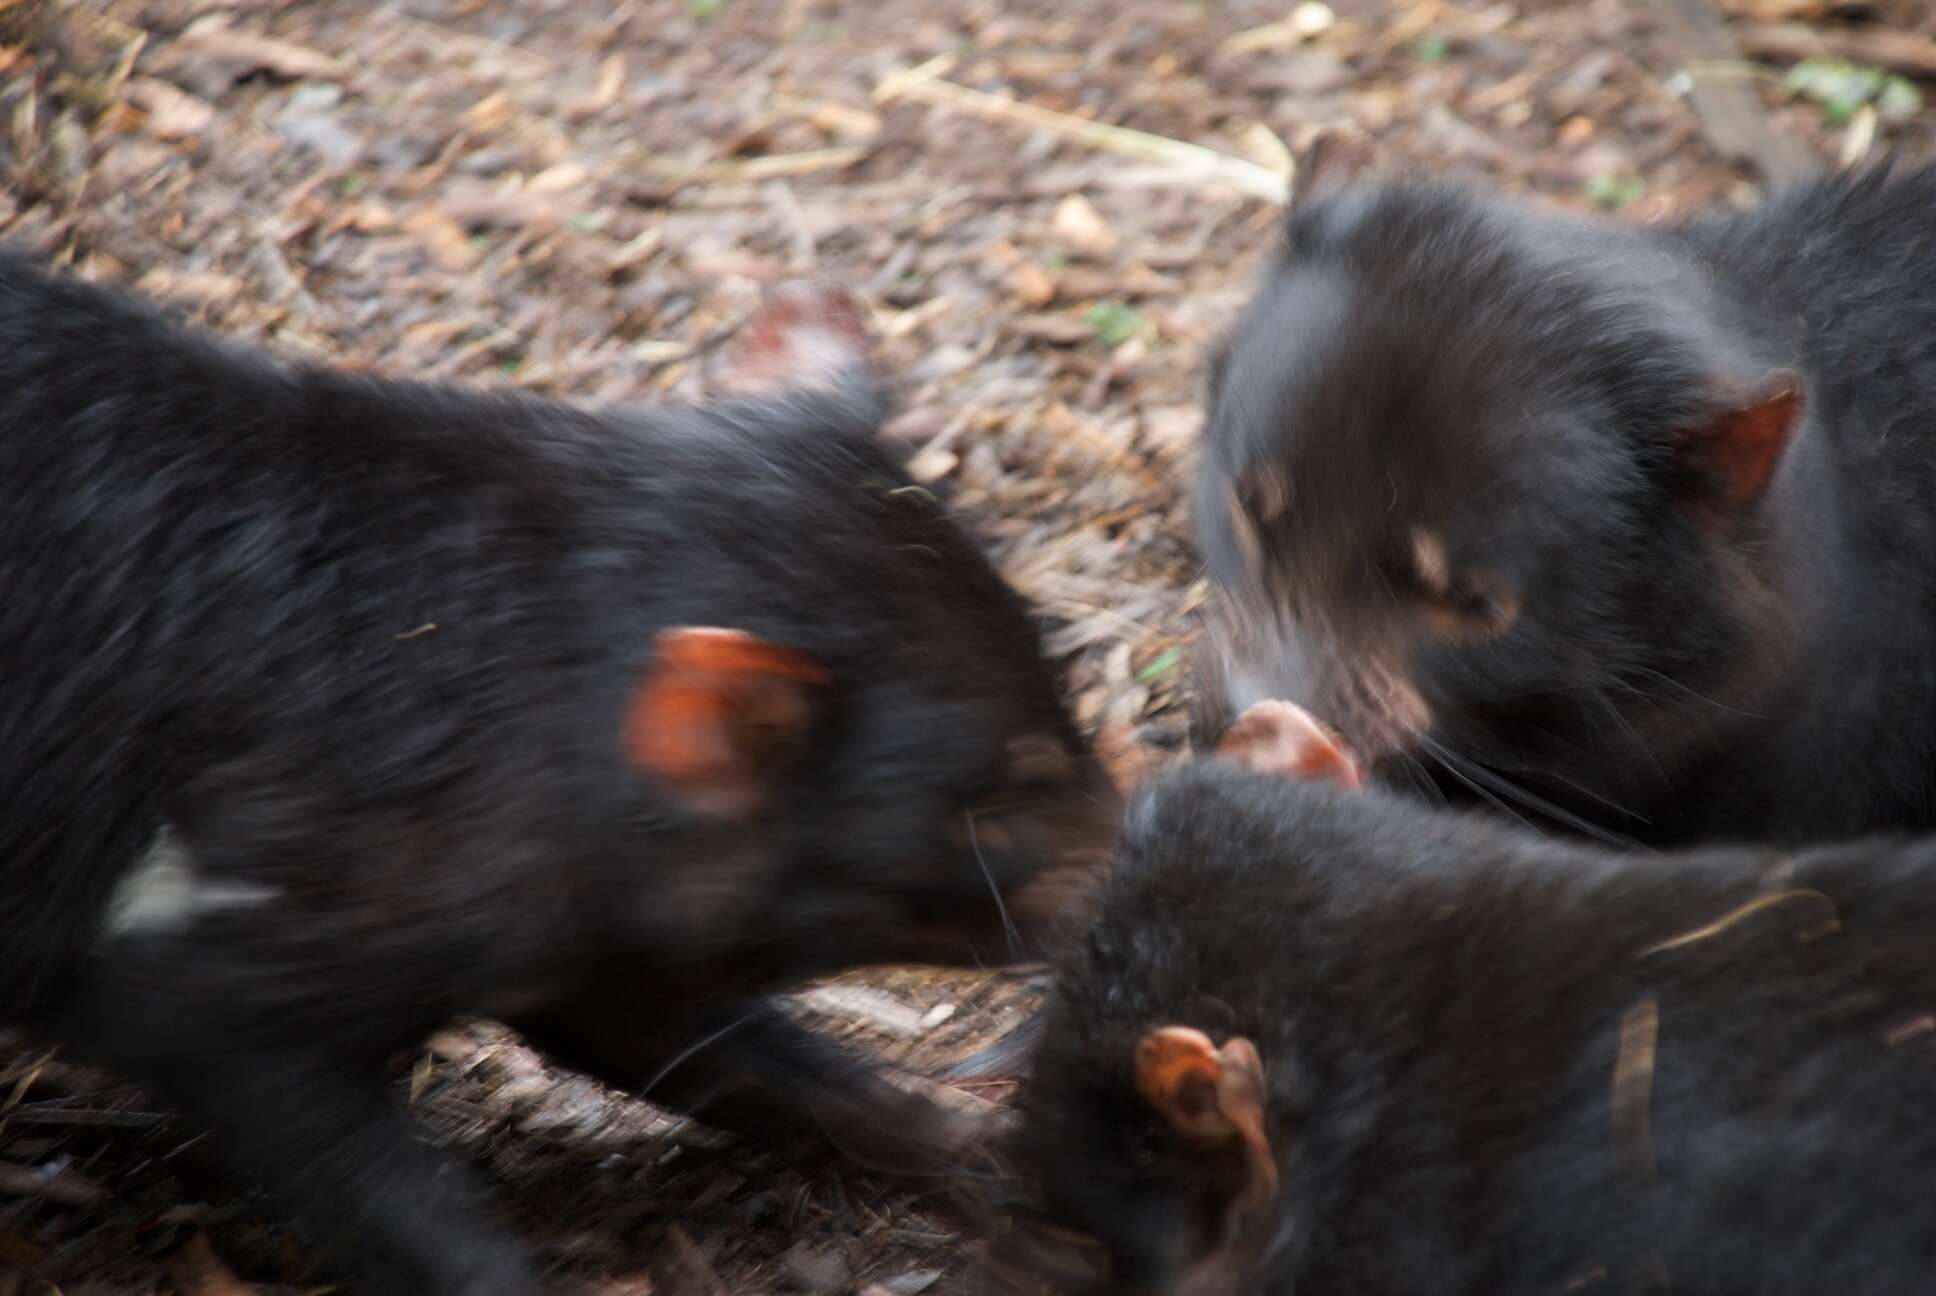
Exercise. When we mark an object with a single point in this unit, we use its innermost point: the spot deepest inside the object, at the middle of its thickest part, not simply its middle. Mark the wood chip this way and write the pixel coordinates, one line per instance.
(489, 113)
(1078, 223)
(197, 287)
(605, 91)
(1062, 330)
(1729, 110)
(1898, 51)
(1307, 21)
(873, 1008)
(172, 113)
(265, 53)
(1033, 285)
(449, 246)
(836, 119)
(911, 1283)
(1191, 164)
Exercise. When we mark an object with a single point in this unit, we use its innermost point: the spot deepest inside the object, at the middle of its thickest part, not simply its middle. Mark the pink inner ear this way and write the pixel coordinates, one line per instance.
(1337, 157)
(703, 719)
(805, 334)
(1283, 739)
(1744, 446)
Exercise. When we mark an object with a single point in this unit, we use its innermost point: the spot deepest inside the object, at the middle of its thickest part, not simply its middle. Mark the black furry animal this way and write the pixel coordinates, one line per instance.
(334, 707)
(1324, 1042)
(1629, 527)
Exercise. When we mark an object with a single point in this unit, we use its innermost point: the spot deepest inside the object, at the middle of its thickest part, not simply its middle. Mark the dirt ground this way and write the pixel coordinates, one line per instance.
(586, 199)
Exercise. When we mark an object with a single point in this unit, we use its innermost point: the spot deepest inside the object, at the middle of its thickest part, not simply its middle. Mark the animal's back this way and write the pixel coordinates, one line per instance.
(1844, 270)
(190, 538)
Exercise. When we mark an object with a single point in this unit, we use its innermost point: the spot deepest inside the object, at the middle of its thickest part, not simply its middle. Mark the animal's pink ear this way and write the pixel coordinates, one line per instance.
(1282, 738)
(1210, 1095)
(806, 334)
(1337, 156)
(718, 715)
(1738, 449)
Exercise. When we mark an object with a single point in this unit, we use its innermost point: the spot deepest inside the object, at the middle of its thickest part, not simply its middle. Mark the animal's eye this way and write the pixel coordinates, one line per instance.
(1470, 598)
(1481, 605)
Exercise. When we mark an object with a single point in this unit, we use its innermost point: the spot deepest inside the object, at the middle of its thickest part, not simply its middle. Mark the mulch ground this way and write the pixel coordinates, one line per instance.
(587, 199)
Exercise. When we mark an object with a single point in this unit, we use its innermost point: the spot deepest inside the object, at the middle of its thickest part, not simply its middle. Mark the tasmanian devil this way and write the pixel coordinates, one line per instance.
(335, 706)
(1323, 1041)
(1627, 526)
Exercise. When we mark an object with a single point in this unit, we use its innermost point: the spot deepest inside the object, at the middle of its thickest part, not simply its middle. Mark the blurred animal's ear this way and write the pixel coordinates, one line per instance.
(1732, 454)
(719, 716)
(1282, 739)
(1336, 157)
(1210, 1095)
(806, 334)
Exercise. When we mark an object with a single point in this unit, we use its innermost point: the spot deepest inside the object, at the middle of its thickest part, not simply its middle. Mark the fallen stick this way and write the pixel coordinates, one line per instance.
(1897, 51)
(1728, 109)
(1192, 161)
(768, 166)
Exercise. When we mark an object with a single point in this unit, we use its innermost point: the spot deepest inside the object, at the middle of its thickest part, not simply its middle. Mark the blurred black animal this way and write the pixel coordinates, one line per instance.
(1625, 528)
(1323, 1041)
(335, 707)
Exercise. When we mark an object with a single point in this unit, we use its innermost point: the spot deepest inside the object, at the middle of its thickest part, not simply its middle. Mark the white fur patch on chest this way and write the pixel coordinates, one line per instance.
(165, 892)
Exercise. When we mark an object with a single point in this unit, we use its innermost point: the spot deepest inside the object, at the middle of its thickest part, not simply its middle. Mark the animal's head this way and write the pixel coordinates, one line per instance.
(1487, 490)
(873, 755)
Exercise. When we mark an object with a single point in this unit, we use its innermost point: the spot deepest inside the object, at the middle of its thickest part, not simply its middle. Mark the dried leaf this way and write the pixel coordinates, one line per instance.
(1062, 330)
(489, 113)
(265, 53)
(557, 179)
(873, 1008)
(199, 288)
(836, 119)
(1033, 285)
(1078, 223)
(173, 113)
(611, 80)
(932, 464)
(449, 246)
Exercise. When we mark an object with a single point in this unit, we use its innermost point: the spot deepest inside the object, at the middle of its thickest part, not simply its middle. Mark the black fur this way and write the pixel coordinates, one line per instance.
(368, 647)
(1439, 1002)
(1525, 388)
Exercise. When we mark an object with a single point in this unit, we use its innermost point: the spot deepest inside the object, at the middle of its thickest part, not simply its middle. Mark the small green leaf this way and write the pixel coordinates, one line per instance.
(1431, 49)
(704, 10)
(1164, 662)
(1836, 112)
(1842, 88)
(1114, 322)
(1899, 99)
(1615, 191)
(350, 185)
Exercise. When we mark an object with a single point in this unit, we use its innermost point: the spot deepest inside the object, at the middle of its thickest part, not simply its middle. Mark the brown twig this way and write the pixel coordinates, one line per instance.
(1728, 109)
(1898, 51)
(1192, 161)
